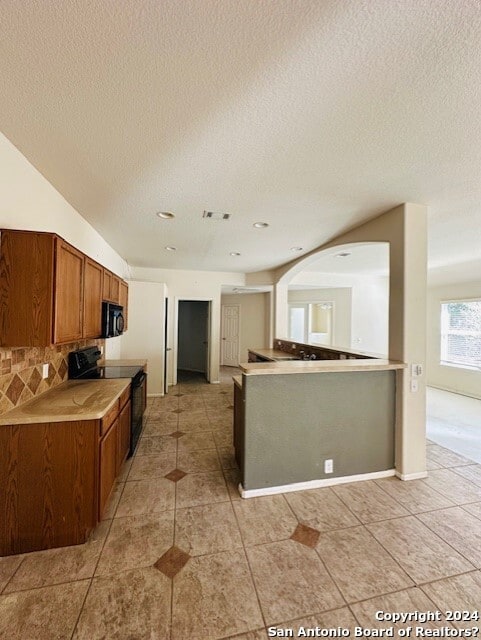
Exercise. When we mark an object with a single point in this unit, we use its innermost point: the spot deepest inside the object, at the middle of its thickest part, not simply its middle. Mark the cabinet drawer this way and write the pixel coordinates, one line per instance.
(109, 417)
(125, 397)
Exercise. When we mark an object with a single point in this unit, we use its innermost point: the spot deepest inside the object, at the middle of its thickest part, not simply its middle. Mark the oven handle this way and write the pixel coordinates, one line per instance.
(138, 382)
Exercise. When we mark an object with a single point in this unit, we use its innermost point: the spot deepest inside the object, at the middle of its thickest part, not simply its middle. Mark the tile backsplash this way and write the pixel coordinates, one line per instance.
(21, 371)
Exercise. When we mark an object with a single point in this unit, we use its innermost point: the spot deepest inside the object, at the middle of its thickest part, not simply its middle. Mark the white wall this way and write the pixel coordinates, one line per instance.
(254, 311)
(30, 202)
(192, 285)
(365, 325)
(465, 381)
(370, 315)
(145, 335)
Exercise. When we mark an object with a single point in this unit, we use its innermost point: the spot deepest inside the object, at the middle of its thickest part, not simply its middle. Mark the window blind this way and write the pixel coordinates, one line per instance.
(461, 333)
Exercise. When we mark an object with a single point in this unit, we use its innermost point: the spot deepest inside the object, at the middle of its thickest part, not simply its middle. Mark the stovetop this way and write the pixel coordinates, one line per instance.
(82, 365)
(111, 372)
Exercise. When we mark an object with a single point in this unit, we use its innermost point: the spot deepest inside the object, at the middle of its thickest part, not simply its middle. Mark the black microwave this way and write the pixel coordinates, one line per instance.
(112, 320)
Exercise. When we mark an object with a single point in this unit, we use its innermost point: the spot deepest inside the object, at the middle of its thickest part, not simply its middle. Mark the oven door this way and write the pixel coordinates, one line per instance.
(139, 386)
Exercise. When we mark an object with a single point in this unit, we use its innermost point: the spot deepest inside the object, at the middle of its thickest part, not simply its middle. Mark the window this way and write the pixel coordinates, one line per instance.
(461, 333)
(311, 322)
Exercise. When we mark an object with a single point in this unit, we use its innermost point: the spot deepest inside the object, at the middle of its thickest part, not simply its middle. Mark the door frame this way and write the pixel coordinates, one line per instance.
(176, 333)
(222, 332)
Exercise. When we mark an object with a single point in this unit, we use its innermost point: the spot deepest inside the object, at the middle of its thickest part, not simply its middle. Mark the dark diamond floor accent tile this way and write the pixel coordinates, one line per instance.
(177, 434)
(306, 535)
(178, 395)
(178, 411)
(175, 475)
(173, 560)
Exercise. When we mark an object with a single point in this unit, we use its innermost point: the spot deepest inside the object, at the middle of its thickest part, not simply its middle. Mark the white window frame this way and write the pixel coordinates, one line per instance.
(444, 336)
(307, 322)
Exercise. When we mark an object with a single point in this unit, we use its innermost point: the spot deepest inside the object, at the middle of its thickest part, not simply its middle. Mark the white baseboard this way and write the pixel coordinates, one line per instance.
(314, 484)
(412, 476)
(155, 395)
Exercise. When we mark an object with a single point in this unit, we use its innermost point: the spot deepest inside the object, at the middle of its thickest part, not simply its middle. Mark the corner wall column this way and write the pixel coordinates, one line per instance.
(280, 293)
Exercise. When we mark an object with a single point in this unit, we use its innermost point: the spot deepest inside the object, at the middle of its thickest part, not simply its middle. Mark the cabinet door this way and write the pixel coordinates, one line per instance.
(124, 434)
(108, 465)
(107, 285)
(69, 269)
(115, 289)
(92, 309)
(26, 288)
(124, 301)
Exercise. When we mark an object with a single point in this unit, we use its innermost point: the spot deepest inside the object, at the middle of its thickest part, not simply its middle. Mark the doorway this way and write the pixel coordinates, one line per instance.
(193, 322)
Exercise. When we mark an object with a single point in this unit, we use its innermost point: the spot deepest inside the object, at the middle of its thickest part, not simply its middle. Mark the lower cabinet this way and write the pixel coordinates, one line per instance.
(114, 447)
(56, 478)
(108, 464)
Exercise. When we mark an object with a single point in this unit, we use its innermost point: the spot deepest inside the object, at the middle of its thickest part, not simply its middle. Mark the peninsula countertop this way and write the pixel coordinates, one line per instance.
(69, 401)
(319, 366)
(273, 354)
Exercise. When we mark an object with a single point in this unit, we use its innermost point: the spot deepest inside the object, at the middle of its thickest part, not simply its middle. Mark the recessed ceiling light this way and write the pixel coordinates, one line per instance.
(260, 225)
(344, 254)
(296, 248)
(166, 215)
(234, 253)
(171, 248)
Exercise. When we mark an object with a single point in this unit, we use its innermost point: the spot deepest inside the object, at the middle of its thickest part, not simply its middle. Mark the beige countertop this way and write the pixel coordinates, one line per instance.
(237, 381)
(319, 366)
(71, 400)
(272, 354)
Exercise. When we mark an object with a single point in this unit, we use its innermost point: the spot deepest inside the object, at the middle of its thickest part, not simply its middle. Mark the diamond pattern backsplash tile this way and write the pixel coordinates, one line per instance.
(21, 371)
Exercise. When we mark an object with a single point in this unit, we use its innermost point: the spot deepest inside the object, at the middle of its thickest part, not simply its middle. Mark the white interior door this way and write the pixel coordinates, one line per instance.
(230, 335)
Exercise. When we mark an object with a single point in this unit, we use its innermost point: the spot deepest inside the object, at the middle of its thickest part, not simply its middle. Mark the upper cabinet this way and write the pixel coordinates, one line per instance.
(68, 288)
(50, 293)
(111, 287)
(92, 302)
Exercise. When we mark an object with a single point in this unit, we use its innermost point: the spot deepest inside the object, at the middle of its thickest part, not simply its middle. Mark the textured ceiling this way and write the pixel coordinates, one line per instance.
(309, 115)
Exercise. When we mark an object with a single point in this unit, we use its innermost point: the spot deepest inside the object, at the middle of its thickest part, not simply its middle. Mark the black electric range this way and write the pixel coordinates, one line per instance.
(83, 365)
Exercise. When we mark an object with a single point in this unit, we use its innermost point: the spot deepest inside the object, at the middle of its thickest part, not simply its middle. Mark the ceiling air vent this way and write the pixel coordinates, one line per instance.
(214, 215)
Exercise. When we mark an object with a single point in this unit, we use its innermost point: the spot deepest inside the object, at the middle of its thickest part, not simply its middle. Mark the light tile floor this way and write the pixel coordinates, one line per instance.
(180, 556)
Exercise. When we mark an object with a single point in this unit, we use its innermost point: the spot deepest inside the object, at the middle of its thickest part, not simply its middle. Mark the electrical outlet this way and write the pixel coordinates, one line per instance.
(328, 466)
(414, 386)
(101, 349)
(45, 370)
(293, 346)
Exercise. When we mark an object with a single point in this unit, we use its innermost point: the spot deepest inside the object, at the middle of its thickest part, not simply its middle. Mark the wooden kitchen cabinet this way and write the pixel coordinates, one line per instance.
(48, 485)
(115, 289)
(111, 287)
(68, 292)
(92, 303)
(108, 464)
(107, 284)
(50, 292)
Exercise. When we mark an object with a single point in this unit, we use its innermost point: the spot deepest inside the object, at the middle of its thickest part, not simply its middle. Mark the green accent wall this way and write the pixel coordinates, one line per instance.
(293, 422)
